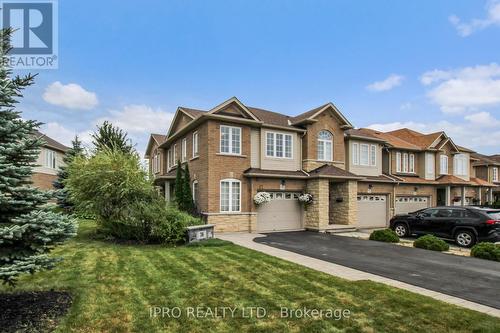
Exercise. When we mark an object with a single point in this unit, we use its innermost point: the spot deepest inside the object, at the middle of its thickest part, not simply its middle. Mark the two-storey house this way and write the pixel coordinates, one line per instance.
(49, 161)
(487, 168)
(357, 177)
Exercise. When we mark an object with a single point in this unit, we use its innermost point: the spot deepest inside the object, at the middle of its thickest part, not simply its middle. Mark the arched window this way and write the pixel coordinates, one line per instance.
(325, 146)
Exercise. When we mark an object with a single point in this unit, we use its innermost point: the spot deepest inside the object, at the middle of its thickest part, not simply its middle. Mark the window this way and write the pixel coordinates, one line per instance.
(156, 162)
(443, 167)
(460, 163)
(405, 162)
(50, 159)
(373, 155)
(495, 174)
(325, 146)
(230, 140)
(411, 163)
(184, 150)
(195, 144)
(278, 145)
(398, 162)
(169, 159)
(363, 154)
(230, 194)
(355, 154)
(174, 158)
(195, 191)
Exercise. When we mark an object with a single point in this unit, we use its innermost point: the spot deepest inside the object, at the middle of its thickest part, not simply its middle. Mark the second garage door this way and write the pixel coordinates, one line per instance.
(283, 212)
(372, 211)
(405, 205)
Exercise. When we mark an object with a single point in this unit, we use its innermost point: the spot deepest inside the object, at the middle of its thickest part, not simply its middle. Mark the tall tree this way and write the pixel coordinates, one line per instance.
(108, 136)
(187, 192)
(27, 230)
(179, 187)
(62, 194)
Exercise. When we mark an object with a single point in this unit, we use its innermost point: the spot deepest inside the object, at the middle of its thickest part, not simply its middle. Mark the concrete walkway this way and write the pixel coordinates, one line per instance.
(247, 240)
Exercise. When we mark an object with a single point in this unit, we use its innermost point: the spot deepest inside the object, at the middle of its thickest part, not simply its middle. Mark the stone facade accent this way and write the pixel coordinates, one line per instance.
(317, 211)
(343, 203)
(246, 222)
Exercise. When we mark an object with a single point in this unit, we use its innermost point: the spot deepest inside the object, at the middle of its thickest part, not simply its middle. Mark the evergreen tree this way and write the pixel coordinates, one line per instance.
(108, 136)
(27, 230)
(62, 194)
(187, 192)
(179, 187)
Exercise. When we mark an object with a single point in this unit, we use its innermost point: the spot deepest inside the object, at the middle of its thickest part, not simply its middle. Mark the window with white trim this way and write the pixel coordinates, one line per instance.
(443, 165)
(279, 145)
(411, 163)
(195, 144)
(495, 174)
(175, 155)
(169, 158)
(195, 191)
(398, 161)
(325, 146)
(460, 165)
(184, 150)
(405, 162)
(156, 162)
(230, 140)
(373, 155)
(355, 154)
(50, 158)
(230, 195)
(364, 158)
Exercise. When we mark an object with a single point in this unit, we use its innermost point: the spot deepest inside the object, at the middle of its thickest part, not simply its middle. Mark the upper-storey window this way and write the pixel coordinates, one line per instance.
(364, 154)
(325, 146)
(278, 145)
(175, 155)
(50, 159)
(405, 162)
(230, 140)
(443, 165)
(156, 162)
(184, 150)
(195, 144)
(495, 174)
(460, 162)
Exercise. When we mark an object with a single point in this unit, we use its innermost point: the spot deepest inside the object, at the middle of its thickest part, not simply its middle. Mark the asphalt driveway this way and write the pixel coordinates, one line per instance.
(472, 279)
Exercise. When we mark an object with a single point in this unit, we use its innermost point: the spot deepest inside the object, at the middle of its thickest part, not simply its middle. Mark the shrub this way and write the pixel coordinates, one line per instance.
(430, 242)
(385, 235)
(488, 251)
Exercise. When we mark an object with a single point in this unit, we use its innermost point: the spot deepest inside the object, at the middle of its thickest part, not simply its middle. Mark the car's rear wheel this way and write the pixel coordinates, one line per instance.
(401, 229)
(465, 238)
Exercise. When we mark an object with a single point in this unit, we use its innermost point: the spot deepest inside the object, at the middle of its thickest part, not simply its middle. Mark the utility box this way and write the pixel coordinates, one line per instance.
(198, 233)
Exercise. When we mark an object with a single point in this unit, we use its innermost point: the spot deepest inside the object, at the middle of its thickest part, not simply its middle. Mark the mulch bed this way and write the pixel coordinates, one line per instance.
(36, 311)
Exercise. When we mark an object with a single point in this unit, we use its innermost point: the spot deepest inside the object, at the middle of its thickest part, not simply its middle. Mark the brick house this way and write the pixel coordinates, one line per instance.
(487, 168)
(357, 177)
(49, 161)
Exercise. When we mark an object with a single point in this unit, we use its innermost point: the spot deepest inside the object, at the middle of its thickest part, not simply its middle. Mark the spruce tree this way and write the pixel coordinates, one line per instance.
(62, 194)
(187, 192)
(28, 230)
(179, 187)
(108, 136)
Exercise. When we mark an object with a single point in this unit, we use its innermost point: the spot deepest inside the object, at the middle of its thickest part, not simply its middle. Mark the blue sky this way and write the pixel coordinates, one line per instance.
(430, 65)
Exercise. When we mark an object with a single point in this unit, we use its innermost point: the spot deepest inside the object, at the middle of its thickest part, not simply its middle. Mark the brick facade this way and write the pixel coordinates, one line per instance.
(43, 180)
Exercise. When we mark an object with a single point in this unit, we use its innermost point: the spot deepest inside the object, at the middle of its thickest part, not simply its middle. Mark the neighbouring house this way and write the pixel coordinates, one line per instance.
(48, 163)
(357, 177)
(487, 168)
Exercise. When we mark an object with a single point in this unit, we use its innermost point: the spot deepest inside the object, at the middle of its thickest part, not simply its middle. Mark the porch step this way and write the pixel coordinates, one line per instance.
(341, 229)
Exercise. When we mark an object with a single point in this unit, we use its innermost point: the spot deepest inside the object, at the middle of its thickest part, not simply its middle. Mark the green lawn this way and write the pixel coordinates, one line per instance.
(115, 285)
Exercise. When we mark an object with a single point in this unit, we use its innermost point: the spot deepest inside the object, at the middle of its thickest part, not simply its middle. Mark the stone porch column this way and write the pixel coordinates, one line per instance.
(317, 213)
(462, 196)
(448, 196)
(480, 191)
(167, 191)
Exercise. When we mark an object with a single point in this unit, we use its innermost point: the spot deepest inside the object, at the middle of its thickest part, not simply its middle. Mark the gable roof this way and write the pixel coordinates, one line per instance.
(391, 140)
(270, 117)
(233, 100)
(486, 160)
(50, 143)
(158, 138)
(423, 141)
(311, 114)
(363, 133)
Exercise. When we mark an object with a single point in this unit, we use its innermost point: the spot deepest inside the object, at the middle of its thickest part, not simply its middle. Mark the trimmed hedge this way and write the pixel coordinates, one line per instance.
(430, 242)
(385, 235)
(488, 251)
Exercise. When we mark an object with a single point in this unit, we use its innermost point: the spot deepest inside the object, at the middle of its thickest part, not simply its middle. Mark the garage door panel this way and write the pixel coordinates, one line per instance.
(406, 204)
(283, 212)
(372, 211)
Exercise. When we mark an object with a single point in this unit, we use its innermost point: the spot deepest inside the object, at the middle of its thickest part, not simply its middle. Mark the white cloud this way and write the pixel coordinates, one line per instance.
(390, 82)
(71, 96)
(492, 18)
(480, 131)
(464, 89)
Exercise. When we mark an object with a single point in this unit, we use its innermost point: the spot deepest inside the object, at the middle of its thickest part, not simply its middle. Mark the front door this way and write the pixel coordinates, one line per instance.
(441, 197)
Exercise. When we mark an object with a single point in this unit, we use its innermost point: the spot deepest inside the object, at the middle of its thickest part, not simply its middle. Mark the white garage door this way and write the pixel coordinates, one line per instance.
(283, 212)
(405, 205)
(372, 211)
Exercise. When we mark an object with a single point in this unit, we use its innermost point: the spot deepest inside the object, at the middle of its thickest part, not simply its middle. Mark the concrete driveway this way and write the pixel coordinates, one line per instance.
(472, 279)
